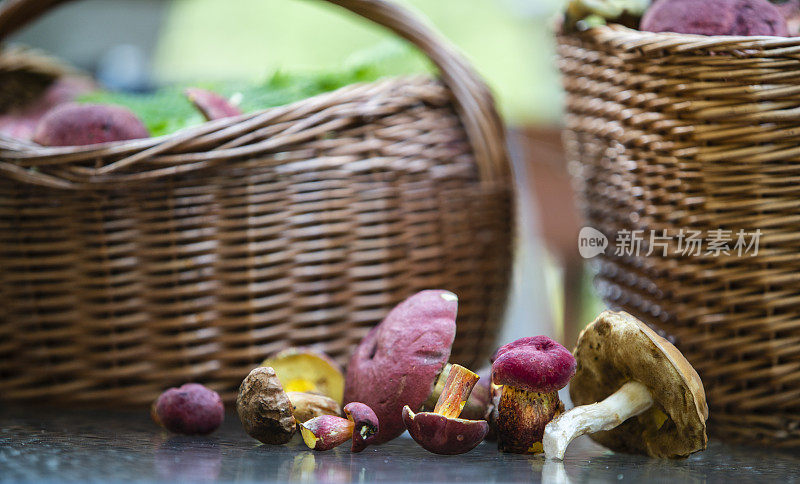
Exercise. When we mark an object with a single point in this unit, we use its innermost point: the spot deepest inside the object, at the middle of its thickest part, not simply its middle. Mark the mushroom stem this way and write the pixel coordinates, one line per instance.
(630, 400)
(521, 418)
(455, 393)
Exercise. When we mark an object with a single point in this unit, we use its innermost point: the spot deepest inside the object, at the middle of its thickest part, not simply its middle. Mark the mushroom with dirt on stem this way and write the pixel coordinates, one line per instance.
(531, 371)
(634, 392)
(442, 431)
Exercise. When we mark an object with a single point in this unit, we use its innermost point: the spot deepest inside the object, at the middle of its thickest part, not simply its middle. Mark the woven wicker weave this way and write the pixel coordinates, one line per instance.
(671, 131)
(129, 267)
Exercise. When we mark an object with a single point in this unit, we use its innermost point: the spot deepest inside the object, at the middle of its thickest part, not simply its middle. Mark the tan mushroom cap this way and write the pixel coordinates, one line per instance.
(617, 348)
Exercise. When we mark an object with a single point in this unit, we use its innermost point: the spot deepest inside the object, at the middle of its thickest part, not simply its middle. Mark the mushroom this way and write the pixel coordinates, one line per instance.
(398, 361)
(309, 371)
(210, 104)
(306, 406)
(632, 372)
(479, 400)
(328, 431)
(441, 431)
(531, 371)
(264, 408)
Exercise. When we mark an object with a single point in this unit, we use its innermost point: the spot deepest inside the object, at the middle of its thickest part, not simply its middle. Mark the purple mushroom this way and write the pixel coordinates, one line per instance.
(715, 17)
(398, 361)
(531, 371)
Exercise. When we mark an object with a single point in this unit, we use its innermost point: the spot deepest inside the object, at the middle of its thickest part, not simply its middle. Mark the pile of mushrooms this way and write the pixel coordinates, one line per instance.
(634, 392)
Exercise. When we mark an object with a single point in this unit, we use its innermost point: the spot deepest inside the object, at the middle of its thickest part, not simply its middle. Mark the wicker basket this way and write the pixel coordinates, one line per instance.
(671, 131)
(132, 266)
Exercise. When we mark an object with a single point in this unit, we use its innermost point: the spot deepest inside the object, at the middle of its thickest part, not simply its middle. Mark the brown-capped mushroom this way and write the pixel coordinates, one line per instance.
(264, 408)
(650, 399)
(328, 431)
(398, 361)
(441, 431)
(308, 370)
(306, 406)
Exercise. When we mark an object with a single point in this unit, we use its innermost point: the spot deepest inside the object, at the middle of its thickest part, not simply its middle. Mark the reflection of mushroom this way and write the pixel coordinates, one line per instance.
(531, 371)
(650, 380)
(264, 408)
(398, 361)
(441, 431)
(329, 431)
(308, 370)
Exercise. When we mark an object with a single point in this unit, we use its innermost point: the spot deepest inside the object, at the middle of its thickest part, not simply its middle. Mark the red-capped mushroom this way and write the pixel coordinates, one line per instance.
(328, 431)
(441, 431)
(531, 371)
(398, 361)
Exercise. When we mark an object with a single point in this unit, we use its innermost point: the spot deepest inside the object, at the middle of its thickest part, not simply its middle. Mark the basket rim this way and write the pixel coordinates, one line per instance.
(626, 39)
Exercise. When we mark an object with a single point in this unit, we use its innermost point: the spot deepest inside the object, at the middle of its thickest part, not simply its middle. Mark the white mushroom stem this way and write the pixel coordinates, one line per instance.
(629, 401)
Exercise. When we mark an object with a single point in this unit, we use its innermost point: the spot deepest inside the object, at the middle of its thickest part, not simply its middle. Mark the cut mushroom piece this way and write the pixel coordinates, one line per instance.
(651, 400)
(398, 361)
(531, 371)
(306, 406)
(441, 431)
(308, 370)
(328, 431)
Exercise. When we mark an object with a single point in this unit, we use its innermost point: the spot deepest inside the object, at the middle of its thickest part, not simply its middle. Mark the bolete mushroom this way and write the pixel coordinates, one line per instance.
(328, 431)
(309, 371)
(264, 408)
(531, 371)
(398, 361)
(306, 406)
(479, 400)
(441, 431)
(650, 399)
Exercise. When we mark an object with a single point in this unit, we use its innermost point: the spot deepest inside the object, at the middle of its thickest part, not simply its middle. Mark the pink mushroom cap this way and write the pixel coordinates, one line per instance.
(536, 364)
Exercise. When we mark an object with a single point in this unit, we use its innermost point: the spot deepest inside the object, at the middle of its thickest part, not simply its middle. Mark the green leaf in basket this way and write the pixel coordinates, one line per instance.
(168, 110)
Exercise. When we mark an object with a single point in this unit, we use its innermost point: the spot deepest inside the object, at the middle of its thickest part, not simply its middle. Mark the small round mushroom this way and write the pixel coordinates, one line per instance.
(264, 408)
(309, 371)
(441, 431)
(190, 409)
(531, 371)
(651, 400)
(398, 361)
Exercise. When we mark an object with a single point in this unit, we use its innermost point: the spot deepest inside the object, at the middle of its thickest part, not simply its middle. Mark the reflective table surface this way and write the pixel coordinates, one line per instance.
(99, 445)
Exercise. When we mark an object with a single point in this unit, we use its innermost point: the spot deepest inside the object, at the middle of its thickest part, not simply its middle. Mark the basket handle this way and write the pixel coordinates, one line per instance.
(473, 99)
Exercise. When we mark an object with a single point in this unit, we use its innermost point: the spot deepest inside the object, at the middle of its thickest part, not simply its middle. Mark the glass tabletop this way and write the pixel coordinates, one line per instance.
(47, 444)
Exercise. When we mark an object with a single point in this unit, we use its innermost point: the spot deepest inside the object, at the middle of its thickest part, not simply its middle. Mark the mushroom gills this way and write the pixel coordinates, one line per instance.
(630, 400)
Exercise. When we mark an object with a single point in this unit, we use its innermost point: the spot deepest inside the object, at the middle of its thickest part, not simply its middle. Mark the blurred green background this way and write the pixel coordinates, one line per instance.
(509, 42)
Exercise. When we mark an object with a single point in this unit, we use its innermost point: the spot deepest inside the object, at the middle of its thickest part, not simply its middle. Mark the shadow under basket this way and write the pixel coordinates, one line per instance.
(129, 267)
(669, 132)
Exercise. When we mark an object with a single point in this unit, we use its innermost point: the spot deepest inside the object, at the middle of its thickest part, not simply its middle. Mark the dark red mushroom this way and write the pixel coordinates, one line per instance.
(212, 105)
(441, 431)
(531, 371)
(366, 425)
(399, 360)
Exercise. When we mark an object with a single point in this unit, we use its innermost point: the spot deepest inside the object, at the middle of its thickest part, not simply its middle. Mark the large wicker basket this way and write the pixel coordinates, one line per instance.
(132, 266)
(671, 132)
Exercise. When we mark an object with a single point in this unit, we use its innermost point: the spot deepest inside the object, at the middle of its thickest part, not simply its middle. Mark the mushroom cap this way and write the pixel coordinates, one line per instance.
(264, 408)
(535, 364)
(366, 425)
(617, 348)
(441, 435)
(308, 370)
(398, 361)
